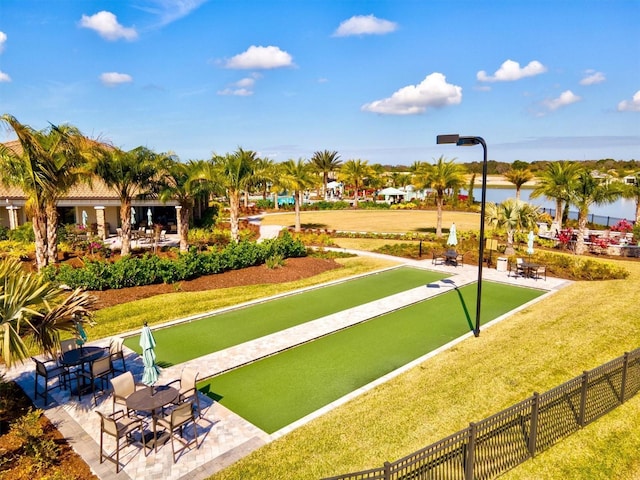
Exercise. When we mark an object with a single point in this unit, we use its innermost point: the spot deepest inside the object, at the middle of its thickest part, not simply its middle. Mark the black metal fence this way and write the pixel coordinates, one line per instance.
(602, 220)
(499, 443)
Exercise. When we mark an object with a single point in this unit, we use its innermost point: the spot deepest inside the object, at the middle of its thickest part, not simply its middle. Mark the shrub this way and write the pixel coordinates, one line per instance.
(4, 233)
(28, 430)
(274, 261)
(24, 233)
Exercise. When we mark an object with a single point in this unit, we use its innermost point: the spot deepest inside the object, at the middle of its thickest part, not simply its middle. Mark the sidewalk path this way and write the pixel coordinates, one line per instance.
(224, 436)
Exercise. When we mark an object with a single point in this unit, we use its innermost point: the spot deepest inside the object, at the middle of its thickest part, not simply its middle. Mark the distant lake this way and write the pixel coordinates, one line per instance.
(623, 208)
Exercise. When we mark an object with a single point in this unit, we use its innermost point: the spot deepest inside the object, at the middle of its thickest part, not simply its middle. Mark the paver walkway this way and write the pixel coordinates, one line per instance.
(224, 436)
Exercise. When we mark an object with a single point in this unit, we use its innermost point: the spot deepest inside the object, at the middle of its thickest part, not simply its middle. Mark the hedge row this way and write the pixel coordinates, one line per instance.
(149, 269)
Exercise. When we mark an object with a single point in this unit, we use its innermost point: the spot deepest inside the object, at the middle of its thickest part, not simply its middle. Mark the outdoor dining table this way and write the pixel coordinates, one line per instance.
(450, 257)
(80, 357)
(152, 399)
(530, 269)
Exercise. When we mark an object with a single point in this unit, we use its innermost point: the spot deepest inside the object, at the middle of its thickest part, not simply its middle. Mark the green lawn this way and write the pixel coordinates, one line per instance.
(187, 341)
(278, 390)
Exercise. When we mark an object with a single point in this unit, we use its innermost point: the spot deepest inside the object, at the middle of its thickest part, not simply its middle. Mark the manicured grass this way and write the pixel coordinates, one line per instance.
(187, 341)
(278, 390)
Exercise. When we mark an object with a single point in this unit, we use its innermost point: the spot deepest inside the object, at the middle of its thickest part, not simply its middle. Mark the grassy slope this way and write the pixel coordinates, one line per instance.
(577, 329)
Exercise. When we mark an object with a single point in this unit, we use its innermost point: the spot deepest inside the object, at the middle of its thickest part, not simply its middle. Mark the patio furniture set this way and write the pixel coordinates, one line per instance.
(155, 414)
(448, 257)
(527, 269)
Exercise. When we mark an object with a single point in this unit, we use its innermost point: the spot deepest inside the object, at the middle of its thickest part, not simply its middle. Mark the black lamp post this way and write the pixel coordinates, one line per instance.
(468, 142)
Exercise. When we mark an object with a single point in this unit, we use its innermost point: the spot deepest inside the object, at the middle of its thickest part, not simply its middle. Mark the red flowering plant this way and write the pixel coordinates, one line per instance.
(622, 226)
(565, 236)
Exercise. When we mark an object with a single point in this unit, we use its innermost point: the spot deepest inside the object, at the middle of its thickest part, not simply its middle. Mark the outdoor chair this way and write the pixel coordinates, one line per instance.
(187, 388)
(163, 235)
(49, 370)
(516, 268)
(98, 372)
(116, 353)
(119, 426)
(438, 258)
(123, 386)
(66, 345)
(175, 423)
(541, 270)
(459, 259)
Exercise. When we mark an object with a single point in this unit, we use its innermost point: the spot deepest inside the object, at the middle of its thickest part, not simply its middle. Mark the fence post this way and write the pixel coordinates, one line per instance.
(533, 428)
(583, 398)
(387, 471)
(471, 452)
(623, 383)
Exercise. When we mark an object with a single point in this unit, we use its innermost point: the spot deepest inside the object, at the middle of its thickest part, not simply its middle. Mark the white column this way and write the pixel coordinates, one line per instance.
(178, 220)
(13, 216)
(102, 233)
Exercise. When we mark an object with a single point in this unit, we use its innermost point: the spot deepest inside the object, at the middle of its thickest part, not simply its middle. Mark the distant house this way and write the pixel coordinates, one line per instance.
(630, 179)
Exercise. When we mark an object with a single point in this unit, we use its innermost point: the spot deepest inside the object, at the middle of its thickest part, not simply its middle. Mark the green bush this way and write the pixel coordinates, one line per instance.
(4, 233)
(149, 269)
(28, 430)
(576, 267)
(24, 233)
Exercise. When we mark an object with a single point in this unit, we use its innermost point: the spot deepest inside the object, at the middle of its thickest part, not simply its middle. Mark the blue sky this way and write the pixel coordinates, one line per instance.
(374, 80)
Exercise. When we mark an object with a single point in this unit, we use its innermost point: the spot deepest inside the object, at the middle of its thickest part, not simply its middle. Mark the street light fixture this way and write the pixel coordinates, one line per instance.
(469, 142)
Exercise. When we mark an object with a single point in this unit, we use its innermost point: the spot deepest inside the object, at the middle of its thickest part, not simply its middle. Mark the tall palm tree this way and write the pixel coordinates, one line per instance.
(47, 167)
(632, 190)
(442, 176)
(297, 177)
(33, 310)
(518, 177)
(325, 162)
(181, 182)
(555, 182)
(354, 173)
(233, 172)
(512, 216)
(588, 191)
(128, 174)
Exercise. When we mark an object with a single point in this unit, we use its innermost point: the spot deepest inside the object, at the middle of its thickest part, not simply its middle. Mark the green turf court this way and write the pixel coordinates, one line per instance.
(187, 341)
(278, 390)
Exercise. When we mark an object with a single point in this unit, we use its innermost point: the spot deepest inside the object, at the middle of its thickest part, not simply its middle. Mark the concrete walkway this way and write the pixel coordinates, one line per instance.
(224, 437)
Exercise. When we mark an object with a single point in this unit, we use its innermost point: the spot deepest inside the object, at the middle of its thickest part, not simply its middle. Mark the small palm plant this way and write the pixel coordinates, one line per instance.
(33, 311)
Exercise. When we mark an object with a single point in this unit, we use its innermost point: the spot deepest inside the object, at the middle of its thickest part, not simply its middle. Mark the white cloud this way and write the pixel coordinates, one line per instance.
(432, 92)
(171, 10)
(592, 77)
(510, 71)
(3, 40)
(238, 92)
(566, 98)
(632, 105)
(112, 79)
(258, 57)
(4, 77)
(107, 26)
(365, 25)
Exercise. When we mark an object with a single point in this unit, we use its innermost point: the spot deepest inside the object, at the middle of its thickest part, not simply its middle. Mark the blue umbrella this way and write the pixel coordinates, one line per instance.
(151, 370)
(530, 243)
(453, 238)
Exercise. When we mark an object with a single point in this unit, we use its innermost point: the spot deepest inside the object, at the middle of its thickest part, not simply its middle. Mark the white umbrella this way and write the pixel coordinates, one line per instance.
(530, 243)
(151, 370)
(149, 216)
(453, 238)
(133, 215)
(84, 218)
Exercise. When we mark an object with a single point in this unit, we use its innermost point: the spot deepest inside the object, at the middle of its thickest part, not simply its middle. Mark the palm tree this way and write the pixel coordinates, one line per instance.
(128, 174)
(632, 190)
(354, 173)
(297, 177)
(555, 182)
(325, 162)
(442, 176)
(518, 177)
(46, 168)
(512, 215)
(33, 310)
(181, 182)
(588, 191)
(233, 173)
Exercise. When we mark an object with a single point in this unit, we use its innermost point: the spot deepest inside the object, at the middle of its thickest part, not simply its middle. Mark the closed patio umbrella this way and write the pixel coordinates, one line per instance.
(453, 237)
(151, 370)
(149, 217)
(81, 337)
(530, 243)
(133, 216)
(85, 217)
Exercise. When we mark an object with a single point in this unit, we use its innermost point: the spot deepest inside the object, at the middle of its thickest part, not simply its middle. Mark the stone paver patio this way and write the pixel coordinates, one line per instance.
(223, 436)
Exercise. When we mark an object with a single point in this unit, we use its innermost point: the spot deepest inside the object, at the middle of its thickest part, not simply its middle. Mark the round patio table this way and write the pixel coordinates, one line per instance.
(150, 400)
(81, 356)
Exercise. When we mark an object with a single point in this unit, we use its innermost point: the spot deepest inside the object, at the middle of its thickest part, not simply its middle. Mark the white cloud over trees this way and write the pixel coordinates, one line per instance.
(432, 92)
(107, 26)
(365, 25)
(511, 71)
